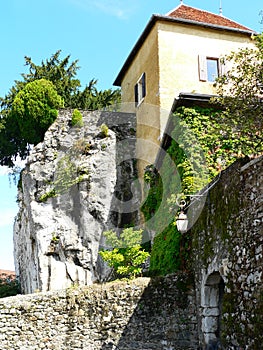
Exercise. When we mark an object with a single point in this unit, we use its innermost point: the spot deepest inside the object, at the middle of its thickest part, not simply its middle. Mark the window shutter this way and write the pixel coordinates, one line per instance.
(202, 68)
(136, 94)
(143, 85)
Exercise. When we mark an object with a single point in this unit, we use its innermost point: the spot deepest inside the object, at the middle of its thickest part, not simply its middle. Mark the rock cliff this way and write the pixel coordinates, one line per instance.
(76, 184)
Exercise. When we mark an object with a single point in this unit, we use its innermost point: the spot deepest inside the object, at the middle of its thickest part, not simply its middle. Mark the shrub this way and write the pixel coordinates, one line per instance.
(77, 119)
(47, 195)
(127, 256)
(35, 109)
(104, 130)
(9, 286)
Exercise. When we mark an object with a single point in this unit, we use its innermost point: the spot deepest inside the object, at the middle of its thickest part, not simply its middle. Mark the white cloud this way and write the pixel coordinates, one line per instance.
(121, 9)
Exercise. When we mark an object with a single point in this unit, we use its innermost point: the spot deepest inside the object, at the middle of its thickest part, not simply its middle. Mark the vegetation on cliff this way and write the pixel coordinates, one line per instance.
(30, 106)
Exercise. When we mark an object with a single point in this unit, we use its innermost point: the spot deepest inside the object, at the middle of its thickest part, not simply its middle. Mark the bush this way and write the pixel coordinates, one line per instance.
(104, 130)
(127, 256)
(77, 119)
(9, 286)
(35, 109)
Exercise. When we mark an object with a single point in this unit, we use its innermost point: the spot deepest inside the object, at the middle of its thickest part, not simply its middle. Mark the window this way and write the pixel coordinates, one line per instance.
(212, 69)
(208, 68)
(140, 90)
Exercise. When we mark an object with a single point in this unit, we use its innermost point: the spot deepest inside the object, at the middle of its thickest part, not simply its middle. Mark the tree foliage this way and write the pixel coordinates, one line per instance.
(240, 91)
(26, 99)
(35, 108)
(126, 256)
(61, 72)
(9, 287)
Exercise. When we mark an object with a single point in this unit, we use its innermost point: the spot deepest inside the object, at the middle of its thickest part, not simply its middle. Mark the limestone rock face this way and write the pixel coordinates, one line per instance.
(68, 198)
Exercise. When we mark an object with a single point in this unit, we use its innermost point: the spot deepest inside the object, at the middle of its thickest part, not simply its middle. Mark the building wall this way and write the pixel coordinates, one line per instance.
(227, 256)
(169, 57)
(221, 301)
(148, 124)
(146, 60)
(179, 48)
(157, 314)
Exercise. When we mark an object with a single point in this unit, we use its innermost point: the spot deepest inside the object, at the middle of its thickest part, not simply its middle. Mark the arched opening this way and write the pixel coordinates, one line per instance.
(212, 309)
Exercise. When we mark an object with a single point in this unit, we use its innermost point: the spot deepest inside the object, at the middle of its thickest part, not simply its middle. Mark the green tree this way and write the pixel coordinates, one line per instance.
(91, 98)
(35, 109)
(240, 92)
(61, 72)
(9, 286)
(19, 107)
(127, 256)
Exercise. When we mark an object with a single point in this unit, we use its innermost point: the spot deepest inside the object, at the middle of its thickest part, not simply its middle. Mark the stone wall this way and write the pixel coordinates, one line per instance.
(144, 314)
(77, 183)
(228, 257)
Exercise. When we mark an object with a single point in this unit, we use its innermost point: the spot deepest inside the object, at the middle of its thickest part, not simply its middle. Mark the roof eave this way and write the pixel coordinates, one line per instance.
(132, 54)
(208, 25)
(150, 25)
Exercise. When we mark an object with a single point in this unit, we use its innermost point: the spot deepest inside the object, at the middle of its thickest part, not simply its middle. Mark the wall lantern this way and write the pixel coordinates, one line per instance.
(182, 220)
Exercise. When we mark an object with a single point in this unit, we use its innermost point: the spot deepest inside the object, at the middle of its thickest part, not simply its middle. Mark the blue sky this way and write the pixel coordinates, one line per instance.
(99, 33)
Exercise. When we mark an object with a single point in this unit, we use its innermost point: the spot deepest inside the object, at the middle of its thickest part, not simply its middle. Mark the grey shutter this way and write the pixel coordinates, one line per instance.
(136, 94)
(143, 85)
(202, 68)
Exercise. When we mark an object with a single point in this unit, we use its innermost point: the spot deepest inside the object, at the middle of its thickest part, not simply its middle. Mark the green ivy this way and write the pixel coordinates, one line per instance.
(222, 143)
(165, 256)
(201, 146)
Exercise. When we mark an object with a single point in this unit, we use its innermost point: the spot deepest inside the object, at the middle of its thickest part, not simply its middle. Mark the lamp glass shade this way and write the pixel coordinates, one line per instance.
(182, 222)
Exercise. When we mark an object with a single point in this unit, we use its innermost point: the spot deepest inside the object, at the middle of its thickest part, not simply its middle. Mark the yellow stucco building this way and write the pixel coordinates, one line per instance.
(177, 52)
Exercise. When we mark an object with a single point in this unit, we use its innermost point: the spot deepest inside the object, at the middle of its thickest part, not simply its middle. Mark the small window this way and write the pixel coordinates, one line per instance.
(208, 68)
(212, 69)
(140, 90)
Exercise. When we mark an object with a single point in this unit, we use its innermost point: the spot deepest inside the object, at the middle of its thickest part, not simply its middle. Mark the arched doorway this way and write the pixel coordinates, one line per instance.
(212, 309)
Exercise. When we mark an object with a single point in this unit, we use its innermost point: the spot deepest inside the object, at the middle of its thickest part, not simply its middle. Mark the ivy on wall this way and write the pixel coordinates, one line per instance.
(201, 146)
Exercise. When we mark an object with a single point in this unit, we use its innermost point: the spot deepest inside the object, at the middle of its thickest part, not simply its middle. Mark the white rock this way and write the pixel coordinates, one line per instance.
(56, 241)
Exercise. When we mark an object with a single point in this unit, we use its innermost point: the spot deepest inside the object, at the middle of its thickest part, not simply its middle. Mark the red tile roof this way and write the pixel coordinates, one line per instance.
(196, 15)
(185, 15)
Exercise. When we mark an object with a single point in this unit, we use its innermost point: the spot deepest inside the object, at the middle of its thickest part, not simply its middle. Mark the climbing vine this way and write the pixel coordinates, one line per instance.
(201, 146)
